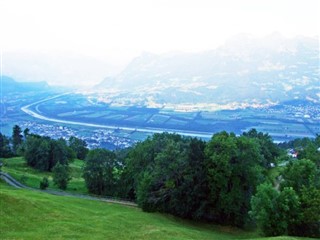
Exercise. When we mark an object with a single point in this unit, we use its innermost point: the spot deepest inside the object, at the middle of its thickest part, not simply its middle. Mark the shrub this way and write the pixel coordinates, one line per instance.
(44, 183)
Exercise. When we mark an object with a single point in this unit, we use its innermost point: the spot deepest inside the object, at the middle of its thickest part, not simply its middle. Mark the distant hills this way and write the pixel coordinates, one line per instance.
(246, 71)
(56, 68)
(9, 85)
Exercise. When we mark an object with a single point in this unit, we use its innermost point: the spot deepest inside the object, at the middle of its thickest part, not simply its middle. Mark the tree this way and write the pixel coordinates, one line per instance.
(143, 192)
(168, 175)
(191, 179)
(5, 150)
(299, 174)
(140, 158)
(17, 138)
(190, 197)
(309, 221)
(44, 153)
(275, 212)
(310, 151)
(304, 177)
(165, 179)
(121, 177)
(36, 152)
(234, 171)
(269, 150)
(294, 210)
(61, 176)
(79, 146)
(44, 183)
(26, 133)
(58, 152)
(98, 171)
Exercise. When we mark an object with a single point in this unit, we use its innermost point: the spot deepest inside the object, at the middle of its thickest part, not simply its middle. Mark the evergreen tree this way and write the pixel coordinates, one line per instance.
(5, 150)
(26, 133)
(17, 138)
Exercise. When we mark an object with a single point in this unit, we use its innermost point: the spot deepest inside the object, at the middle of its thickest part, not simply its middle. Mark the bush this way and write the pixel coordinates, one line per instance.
(44, 183)
(61, 176)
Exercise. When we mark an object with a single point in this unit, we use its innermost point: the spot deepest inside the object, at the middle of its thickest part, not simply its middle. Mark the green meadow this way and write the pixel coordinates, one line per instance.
(27, 214)
(18, 169)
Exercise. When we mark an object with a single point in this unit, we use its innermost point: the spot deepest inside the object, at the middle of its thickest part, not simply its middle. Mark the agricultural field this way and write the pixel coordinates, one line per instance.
(279, 122)
(102, 124)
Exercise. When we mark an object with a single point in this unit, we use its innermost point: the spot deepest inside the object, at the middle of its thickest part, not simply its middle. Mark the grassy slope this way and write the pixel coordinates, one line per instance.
(34, 215)
(18, 169)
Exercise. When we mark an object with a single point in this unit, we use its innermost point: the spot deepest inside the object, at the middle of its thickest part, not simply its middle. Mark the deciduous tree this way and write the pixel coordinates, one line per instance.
(275, 212)
(79, 146)
(61, 176)
(98, 171)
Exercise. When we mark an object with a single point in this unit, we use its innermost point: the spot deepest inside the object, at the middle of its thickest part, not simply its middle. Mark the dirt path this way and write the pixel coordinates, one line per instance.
(14, 183)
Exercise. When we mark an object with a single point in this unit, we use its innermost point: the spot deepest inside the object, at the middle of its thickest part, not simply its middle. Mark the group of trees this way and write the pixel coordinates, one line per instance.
(225, 180)
(99, 172)
(307, 148)
(44, 153)
(9, 147)
(194, 179)
(294, 208)
(15, 145)
(48, 154)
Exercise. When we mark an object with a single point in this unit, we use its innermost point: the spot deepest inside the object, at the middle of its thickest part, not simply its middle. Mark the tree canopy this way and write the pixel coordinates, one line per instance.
(99, 171)
(44, 153)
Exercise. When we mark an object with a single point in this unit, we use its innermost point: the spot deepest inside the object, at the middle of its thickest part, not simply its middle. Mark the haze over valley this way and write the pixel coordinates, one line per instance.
(270, 84)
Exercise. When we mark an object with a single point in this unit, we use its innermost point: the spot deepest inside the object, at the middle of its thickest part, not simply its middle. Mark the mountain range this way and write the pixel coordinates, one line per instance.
(245, 71)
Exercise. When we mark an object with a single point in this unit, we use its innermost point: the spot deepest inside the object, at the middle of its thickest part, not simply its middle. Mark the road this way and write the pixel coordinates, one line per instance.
(34, 114)
(14, 183)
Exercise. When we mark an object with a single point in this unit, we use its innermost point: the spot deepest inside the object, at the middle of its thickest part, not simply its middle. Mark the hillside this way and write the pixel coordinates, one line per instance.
(10, 85)
(247, 70)
(33, 215)
(18, 169)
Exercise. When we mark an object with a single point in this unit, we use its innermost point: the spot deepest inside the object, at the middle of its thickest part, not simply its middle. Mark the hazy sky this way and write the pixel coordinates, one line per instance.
(116, 31)
(122, 29)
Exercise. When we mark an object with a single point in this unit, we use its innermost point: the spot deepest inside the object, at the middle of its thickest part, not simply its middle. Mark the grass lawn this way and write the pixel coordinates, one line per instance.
(28, 214)
(18, 169)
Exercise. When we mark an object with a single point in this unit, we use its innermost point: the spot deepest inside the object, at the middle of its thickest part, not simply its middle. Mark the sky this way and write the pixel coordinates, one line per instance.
(122, 29)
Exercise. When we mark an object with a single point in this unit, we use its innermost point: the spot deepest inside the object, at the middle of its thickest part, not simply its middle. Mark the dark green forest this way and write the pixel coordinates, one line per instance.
(225, 180)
